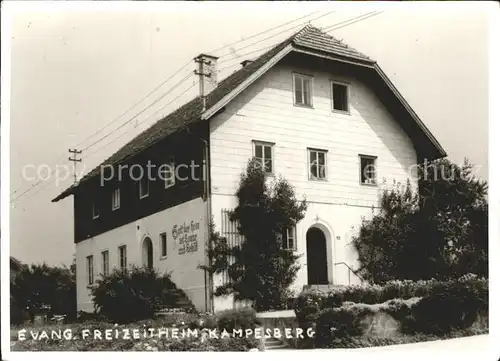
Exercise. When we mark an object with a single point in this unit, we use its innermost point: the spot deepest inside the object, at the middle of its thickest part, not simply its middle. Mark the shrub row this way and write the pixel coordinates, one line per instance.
(310, 302)
(228, 320)
(432, 308)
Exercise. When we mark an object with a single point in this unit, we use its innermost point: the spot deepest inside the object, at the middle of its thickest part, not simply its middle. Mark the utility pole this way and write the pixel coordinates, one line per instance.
(74, 160)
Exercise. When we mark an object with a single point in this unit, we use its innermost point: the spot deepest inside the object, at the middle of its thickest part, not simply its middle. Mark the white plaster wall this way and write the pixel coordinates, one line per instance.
(339, 222)
(265, 112)
(182, 267)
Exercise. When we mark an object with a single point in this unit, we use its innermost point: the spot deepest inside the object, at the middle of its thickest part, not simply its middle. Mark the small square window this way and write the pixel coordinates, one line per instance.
(368, 174)
(339, 97)
(143, 187)
(95, 211)
(302, 86)
(168, 173)
(288, 239)
(263, 154)
(317, 164)
(105, 263)
(122, 251)
(115, 199)
(90, 270)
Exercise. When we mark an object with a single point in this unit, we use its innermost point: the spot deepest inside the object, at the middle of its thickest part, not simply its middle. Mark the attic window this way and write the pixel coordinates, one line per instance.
(302, 85)
(339, 97)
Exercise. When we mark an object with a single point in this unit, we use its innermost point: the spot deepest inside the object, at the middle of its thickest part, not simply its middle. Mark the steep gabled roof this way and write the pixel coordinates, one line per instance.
(309, 38)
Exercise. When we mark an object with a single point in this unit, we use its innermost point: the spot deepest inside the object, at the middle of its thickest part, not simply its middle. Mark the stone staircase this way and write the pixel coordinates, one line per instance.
(178, 301)
(273, 343)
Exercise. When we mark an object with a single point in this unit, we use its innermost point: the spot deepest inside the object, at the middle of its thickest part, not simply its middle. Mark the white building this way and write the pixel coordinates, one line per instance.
(314, 110)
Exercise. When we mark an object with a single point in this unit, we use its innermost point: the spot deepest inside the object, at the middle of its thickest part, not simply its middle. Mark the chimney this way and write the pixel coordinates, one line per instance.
(207, 73)
(245, 63)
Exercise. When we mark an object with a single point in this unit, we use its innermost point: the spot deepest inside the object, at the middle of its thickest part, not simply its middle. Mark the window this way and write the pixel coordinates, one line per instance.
(163, 244)
(288, 239)
(302, 85)
(90, 270)
(339, 97)
(263, 153)
(122, 251)
(95, 211)
(367, 169)
(169, 173)
(105, 263)
(143, 187)
(115, 199)
(317, 164)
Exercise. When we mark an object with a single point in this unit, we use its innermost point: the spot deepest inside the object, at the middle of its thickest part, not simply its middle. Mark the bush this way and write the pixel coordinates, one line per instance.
(453, 307)
(311, 301)
(430, 307)
(242, 318)
(339, 323)
(135, 294)
(41, 287)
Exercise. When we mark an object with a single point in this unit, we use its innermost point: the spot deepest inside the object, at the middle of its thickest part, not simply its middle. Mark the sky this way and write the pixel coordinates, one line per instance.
(77, 76)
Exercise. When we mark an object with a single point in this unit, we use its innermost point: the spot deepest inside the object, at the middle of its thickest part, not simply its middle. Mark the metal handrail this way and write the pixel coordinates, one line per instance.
(350, 270)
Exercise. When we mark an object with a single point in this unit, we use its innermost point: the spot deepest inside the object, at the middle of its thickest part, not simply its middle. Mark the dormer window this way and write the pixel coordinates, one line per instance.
(302, 85)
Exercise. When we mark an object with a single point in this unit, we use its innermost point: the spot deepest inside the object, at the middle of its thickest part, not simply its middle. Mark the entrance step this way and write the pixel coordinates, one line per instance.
(274, 344)
(321, 287)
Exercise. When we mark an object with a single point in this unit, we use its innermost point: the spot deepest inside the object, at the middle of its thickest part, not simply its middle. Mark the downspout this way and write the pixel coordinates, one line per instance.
(208, 214)
(208, 207)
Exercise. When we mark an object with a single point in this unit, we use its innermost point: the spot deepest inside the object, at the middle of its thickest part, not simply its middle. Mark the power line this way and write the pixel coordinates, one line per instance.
(348, 20)
(272, 36)
(139, 113)
(184, 66)
(142, 121)
(158, 87)
(357, 18)
(332, 27)
(161, 97)
(135, 104)
(263, 32)
(356, 21)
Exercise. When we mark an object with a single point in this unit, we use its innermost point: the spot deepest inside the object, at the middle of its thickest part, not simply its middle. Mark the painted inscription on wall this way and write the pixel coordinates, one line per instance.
(186, 236)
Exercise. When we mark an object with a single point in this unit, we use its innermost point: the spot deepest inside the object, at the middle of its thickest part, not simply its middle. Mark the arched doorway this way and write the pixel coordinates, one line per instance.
(147, 253)
(317, 268)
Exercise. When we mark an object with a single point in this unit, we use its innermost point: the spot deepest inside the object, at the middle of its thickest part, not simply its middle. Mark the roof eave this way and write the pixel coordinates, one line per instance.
(439, 150)
(245, 84)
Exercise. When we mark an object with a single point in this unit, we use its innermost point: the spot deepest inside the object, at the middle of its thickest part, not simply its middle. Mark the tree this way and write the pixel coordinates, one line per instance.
(441, 233)
(136, 293)
(39, 287)
(263, 269)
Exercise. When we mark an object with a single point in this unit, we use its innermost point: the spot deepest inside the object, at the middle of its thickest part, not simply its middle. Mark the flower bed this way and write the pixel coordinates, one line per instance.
(178, 331)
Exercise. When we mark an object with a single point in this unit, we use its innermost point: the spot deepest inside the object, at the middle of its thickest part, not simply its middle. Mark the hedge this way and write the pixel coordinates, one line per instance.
(311, 301)
(178, 320)
(423, 307)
